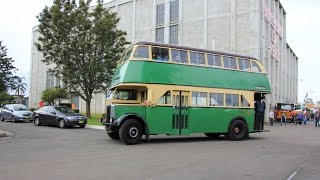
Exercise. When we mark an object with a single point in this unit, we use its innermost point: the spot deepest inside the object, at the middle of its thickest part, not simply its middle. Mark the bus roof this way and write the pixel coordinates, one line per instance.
(192, 49)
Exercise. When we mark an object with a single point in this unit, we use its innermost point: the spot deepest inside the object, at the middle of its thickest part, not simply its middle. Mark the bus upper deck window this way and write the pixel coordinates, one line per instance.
(127, 56)
(244, 64)
(179, 56)
(255, 67)
(197, 58)
(214, 60)
(160, 54)
(141, 52)
(229, 62)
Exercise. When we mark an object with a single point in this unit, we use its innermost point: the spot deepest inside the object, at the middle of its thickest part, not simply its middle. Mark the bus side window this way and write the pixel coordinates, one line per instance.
(197, 58)
(244, 102)
(214, 60)
(244, 64)
(232, 100)
(179, 56)
(160, 54)
(165, 99)
(216, 99)
(127, 56)
(143, 96)
(199, 98)
(230, 62)
(255, 67)
(141, 52)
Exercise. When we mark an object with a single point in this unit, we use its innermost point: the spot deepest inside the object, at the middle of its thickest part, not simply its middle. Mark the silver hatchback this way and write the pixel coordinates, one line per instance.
(15, 112)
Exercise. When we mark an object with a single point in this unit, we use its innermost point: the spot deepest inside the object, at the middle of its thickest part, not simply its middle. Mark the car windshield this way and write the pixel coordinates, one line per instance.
(20, 107)
(64, 109)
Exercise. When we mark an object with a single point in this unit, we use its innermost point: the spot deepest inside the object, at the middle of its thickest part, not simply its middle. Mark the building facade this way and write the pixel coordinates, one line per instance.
(254, 28)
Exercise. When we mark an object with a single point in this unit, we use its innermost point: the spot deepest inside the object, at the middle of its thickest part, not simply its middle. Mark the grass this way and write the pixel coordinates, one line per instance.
(94, 120)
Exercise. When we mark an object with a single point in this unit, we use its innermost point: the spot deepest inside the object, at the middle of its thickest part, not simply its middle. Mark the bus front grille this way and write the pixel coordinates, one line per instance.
(108, 112)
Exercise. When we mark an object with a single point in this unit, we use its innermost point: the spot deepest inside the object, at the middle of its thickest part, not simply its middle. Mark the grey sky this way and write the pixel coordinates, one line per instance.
(303, 28)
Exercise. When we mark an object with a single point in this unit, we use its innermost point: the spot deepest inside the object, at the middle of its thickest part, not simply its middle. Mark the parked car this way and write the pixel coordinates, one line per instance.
(15, 112)
(60, 116)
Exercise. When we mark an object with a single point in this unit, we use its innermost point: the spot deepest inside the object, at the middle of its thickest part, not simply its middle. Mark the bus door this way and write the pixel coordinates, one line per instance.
(180, 118)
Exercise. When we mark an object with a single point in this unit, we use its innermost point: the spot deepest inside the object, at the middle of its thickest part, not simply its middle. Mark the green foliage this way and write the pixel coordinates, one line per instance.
(53, 96)
(5, 98)
(6, 70)
(84, 45)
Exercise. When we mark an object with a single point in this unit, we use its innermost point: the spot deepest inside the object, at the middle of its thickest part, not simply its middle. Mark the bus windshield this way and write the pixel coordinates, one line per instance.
(123, 94)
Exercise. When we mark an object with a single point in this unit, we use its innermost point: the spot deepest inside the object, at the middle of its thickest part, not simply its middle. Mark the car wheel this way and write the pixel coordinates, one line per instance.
(237, 130)
(113, 135)
(130, 132)
(1, 118)
(37, 121)
(14, 119)
(82, 126)
(62, 123)
(212, 135)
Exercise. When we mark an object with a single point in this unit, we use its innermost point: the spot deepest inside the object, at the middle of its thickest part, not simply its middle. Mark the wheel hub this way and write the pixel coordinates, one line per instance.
(133, 132)
(236, 130)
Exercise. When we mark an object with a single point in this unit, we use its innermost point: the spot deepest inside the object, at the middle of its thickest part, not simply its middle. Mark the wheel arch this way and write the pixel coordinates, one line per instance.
(127, 116)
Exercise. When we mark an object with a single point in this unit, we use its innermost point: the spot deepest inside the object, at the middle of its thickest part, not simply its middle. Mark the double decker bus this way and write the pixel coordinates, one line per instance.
(175, 90)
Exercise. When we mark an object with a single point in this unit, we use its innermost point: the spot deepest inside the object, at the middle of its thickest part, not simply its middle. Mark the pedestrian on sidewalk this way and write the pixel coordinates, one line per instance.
(271, 117)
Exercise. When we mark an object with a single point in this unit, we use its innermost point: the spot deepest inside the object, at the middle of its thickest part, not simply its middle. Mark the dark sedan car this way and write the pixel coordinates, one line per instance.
(58, 116)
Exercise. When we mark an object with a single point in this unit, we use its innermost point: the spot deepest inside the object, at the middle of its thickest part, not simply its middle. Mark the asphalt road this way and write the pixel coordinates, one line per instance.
(82, 154)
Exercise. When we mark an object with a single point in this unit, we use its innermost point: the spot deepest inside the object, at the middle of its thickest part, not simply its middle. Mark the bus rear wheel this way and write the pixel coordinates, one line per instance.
(212, 135)
(237, 130)
(130, 132)
(113, 135)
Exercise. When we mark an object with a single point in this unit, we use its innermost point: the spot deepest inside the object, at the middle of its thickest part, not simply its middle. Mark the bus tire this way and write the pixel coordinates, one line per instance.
(237, 130)
(130, 132)
(212, 135)
(113, 135)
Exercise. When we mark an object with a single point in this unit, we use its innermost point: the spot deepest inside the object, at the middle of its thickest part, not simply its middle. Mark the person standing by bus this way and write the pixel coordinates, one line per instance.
(271, 117)
(259, 108)
(316, 119)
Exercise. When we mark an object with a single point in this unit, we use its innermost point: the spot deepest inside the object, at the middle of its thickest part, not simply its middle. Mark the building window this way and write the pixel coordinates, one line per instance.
(50, 79)
(160, 14)
(160, 35)
(174, 11)
(174, 34)
(57, 82)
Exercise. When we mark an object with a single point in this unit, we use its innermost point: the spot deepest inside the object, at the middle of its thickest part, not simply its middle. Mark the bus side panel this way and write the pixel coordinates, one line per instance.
(205, 120)
(159, 120)
(128, 109)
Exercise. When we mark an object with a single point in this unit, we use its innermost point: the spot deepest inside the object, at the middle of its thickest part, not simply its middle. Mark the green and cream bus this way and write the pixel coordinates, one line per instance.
(175, 90)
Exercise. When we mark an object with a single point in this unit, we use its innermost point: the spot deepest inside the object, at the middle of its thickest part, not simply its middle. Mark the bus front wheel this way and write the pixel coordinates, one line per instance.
(130, 132)
(237, 130)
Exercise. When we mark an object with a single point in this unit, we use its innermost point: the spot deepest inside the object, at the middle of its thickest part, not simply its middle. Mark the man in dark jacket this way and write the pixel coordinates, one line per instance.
(259, 108)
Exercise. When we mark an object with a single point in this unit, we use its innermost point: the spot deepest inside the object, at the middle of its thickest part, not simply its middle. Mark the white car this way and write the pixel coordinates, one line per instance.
(15, 112)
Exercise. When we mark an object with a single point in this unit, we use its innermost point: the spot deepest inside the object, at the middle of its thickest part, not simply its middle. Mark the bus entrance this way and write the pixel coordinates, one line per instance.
(180, 113)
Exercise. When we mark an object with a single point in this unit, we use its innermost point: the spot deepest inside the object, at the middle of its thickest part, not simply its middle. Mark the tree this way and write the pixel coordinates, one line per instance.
(83, 45)
(6, 70)
(53, 96)
(5, 98)
(19, 87)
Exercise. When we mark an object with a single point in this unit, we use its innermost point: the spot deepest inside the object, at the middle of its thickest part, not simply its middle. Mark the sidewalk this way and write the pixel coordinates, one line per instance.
(95, 127)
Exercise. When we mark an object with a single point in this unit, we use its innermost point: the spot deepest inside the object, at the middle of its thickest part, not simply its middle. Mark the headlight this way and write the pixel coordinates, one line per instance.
(70, 118)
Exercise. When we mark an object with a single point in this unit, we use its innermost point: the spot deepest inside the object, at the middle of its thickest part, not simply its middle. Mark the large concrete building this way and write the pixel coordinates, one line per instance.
(249, 27)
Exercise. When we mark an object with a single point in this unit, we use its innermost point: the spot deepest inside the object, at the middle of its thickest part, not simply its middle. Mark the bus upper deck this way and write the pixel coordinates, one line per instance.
(178, 65)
